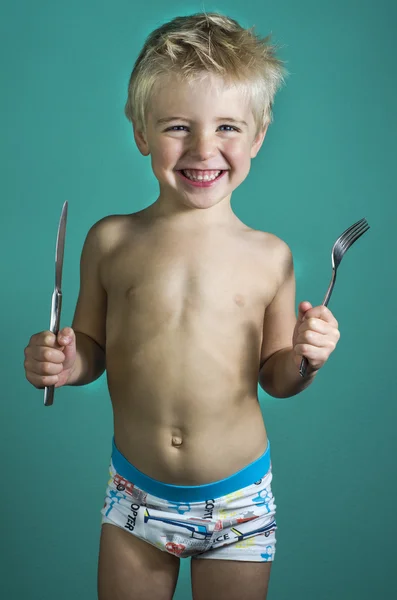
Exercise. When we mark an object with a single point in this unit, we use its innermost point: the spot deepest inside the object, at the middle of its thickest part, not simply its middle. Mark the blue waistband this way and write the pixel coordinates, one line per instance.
(192, 493)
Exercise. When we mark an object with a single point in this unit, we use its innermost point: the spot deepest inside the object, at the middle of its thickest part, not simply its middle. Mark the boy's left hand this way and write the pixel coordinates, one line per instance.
(315, 336)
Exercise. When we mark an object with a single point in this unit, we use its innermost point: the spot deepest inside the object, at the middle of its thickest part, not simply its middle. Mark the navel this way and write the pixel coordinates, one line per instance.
(176, 440)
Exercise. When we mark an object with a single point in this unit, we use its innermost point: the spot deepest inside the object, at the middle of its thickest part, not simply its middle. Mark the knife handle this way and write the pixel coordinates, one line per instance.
(56, 305)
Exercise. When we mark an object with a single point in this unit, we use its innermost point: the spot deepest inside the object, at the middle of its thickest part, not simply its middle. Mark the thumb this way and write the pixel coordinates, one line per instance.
(303, 308)
(66, 336)
(68, 347)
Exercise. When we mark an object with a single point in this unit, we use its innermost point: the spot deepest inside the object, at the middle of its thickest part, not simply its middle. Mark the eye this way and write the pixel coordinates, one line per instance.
(177, 127)
(231, 127)
(173, 128)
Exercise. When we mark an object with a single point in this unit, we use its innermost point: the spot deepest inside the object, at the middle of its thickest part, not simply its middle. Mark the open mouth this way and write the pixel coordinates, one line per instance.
(202, 180)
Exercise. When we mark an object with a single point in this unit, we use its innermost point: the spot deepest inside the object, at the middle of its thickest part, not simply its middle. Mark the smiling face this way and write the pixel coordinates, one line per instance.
(201, 137)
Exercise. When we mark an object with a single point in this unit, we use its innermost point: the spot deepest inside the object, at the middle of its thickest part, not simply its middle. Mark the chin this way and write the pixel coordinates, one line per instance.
(203, 203)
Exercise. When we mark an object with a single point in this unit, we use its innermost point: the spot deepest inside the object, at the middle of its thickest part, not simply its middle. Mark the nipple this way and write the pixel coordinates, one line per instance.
(176, 441)
(239, 299)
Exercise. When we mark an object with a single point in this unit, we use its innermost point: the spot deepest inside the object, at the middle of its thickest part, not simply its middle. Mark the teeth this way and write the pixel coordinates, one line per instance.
(201, 175)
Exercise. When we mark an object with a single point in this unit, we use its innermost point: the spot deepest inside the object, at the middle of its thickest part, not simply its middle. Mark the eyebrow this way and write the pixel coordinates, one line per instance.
(169, 119)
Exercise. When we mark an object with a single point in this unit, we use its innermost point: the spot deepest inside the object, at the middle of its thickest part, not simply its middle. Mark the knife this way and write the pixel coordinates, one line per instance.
(56, 303)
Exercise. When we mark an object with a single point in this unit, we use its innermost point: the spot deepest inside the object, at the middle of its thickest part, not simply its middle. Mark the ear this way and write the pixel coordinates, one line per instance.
(258, 141)
(140, 140)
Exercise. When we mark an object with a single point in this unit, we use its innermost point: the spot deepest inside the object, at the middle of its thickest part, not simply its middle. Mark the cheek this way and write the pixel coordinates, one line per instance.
(163, 157)
(163, 154)
(238, 154)
(167, 154)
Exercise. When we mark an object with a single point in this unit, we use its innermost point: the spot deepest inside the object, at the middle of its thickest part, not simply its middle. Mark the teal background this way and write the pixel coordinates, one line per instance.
(329, 159)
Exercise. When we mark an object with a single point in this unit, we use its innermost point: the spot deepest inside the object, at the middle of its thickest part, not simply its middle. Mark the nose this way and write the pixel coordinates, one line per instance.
(202, 146)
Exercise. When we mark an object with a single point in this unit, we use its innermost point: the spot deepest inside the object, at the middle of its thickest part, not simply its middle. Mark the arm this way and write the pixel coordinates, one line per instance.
(280, 378)
(278, 374)
(89, 322)
(90, 361)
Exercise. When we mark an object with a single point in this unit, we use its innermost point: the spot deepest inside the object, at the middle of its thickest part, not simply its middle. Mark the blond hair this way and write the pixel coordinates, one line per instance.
(195, 45)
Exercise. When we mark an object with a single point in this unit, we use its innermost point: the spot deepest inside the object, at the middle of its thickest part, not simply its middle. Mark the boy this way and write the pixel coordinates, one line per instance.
(187, 309)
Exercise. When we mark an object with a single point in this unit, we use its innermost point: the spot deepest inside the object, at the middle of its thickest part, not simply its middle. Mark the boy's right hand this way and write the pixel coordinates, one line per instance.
(49, 360)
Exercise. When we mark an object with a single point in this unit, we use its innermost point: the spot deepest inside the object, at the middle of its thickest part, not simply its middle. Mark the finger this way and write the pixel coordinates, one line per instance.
(326, 315)
(45, 353)
(41, 382)
(313, 324)
(313, 338)
(320, 326)
(44, 338)
(313, 352)
(42, 368)
(321, 312)
(51, 354)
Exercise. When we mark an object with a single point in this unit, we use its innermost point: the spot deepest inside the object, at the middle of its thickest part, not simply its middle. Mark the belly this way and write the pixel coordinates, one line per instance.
(182, 360)
(184, 455)
(185, 403)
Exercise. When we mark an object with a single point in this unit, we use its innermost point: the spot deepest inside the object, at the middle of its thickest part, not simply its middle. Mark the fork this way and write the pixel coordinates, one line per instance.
(339, 249)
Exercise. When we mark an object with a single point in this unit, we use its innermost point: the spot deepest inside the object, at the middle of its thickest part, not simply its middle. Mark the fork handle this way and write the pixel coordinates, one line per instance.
(304, 362)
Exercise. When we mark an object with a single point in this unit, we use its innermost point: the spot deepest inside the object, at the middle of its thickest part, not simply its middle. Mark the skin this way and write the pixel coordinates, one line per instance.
(190, 237)
(178, 294)
(184, 333)
(199, 140)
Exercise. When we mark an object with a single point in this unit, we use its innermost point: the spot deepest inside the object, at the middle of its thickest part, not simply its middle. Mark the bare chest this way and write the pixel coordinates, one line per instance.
(183, 337)
(174, 279)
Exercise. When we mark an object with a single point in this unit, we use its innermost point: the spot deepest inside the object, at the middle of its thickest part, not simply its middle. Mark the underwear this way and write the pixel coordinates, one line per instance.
(232, 519)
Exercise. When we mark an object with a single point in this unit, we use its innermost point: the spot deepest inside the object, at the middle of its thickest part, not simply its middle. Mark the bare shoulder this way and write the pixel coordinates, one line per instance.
(110, 230)
(276, 255)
